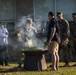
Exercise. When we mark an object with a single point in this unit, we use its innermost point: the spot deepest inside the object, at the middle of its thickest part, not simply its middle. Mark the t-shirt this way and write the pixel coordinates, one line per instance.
(52, 24)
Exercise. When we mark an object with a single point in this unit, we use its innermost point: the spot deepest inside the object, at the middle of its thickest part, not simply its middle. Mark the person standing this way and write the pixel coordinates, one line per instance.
(3, 45)
(73, 33)
(64, 35)
(52, 41)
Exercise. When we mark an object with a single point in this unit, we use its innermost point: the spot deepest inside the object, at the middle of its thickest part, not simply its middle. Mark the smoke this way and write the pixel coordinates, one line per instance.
(30, 33)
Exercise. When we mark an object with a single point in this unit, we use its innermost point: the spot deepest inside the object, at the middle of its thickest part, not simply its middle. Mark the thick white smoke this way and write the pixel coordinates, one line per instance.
(29, 33)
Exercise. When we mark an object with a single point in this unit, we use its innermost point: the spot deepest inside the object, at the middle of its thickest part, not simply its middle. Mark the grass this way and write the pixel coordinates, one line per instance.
(14, 70)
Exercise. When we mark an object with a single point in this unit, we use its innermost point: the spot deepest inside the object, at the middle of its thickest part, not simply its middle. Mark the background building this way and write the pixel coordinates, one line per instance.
(12, 10)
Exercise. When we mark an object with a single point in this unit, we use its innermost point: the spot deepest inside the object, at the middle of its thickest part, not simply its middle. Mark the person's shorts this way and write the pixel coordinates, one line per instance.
(53, 47)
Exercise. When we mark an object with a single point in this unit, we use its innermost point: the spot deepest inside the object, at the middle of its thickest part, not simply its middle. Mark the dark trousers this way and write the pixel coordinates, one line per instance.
(65, 51)
(74, 44)
(3, 55)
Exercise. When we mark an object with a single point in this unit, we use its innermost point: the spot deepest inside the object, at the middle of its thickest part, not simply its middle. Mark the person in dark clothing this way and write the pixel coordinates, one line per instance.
(64, 35)
(52, 41)
(73, 33)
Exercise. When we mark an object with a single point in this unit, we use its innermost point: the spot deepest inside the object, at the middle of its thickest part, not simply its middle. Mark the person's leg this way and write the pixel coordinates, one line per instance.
(1, 59)
(6, 62)
(6, 55)
(74, 44)
(72, 49)
(66, 55)
(53, 56)
(57, 61)
(57, 56)
(2, 55)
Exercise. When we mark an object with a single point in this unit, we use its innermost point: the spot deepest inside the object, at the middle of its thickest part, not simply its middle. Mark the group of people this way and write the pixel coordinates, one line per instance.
(3, 45)
(58, 34)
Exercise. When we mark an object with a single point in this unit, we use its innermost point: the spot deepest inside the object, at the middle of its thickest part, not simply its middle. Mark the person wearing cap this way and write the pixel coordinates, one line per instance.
(3, 45)
(64, 35)
(73, 33)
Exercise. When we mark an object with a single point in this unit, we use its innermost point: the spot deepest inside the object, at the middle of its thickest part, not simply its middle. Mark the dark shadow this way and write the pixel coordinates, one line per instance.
(15, 69)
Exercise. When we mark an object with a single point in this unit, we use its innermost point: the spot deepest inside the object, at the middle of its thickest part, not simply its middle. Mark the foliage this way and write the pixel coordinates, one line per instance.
(30, 49)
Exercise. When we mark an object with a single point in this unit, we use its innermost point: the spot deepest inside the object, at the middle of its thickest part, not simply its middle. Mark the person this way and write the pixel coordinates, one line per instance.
(31, 30)
(73, 33)
(30, 26)
(52, 41)
(64, 35)
(3, 45)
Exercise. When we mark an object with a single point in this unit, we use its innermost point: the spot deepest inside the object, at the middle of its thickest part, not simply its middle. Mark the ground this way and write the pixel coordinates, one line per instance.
(14, 70)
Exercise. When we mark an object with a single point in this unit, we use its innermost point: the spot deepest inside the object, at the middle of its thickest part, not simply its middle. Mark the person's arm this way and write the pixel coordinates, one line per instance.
(34, 29)
(66, 33)
(66, 30)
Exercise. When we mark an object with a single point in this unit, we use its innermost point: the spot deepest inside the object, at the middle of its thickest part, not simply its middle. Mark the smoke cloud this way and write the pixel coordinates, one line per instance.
(30, 33)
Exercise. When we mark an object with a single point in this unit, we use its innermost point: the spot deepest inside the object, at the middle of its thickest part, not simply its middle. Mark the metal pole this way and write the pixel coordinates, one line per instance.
(55, 7)
(34, 8)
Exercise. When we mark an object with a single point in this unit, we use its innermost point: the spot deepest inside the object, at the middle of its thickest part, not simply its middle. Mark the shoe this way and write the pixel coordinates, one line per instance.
(50, 66)
(53, 70)
(66, 65)
(74, 65)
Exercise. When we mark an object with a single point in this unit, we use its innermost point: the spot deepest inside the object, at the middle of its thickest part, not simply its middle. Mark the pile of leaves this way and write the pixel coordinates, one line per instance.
(30, 49)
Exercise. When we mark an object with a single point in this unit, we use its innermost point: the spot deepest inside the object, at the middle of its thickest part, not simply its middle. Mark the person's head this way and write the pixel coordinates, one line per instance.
(74, 17)
(29, 21)
(50, 15)
(60, 15)
(2, 26)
